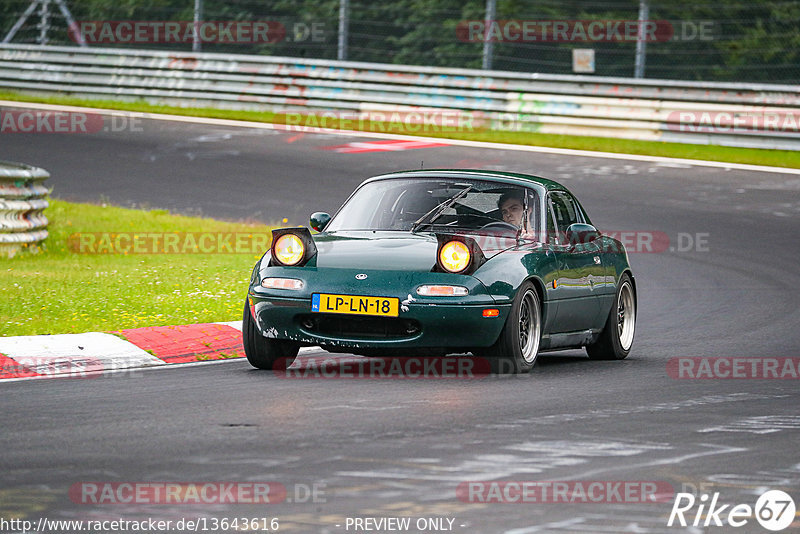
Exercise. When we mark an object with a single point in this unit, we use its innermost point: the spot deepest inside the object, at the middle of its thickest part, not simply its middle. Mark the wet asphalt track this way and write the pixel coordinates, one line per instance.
(400, 447)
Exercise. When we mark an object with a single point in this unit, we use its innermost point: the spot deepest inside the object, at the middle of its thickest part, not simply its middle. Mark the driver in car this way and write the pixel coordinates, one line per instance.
(512, 209)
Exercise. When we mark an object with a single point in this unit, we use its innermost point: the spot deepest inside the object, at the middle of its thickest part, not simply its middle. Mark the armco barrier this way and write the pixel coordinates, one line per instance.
(22, 201)
(742, 114)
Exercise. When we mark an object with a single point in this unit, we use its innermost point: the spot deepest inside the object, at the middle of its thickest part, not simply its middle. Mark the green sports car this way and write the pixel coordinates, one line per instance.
(435, 262)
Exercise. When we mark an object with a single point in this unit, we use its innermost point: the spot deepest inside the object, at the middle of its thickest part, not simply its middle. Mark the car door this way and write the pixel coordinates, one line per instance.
(579, 268)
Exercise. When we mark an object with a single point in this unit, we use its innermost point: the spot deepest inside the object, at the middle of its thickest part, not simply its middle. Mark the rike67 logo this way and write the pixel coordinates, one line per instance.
(774, 510)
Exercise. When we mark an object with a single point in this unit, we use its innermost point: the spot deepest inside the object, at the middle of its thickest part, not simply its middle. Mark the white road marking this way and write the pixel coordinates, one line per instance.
(613, 413)
(595, 523)
(674, 460)
(762, 424)
(513, 461)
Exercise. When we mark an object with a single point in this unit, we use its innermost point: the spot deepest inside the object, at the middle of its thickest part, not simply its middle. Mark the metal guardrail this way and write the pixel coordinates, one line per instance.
(744, 115)
(23, 224)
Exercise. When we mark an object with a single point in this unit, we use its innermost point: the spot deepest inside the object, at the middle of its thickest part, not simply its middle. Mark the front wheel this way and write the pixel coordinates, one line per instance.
(518, 346)
(616, 340)
(261, 352)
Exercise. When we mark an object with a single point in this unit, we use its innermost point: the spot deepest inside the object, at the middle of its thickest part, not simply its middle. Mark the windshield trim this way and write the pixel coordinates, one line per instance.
(537, 190)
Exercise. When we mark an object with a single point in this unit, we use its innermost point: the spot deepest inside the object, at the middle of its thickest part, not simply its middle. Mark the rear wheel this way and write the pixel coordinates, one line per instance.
(616, 340)
(518, 346)
(263, 353)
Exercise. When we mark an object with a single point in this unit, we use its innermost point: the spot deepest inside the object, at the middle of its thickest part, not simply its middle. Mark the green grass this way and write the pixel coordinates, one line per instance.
(777, 158)
(63, 291)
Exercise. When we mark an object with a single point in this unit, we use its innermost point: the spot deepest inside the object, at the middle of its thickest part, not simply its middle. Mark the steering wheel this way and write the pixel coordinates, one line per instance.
(500, 225)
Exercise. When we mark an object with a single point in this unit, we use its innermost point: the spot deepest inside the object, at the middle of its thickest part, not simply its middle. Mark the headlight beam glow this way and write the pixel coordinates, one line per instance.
(455, 256)
(288, 249)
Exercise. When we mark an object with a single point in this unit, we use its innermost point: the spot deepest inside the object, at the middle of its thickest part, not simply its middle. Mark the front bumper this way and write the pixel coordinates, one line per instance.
(449, 324)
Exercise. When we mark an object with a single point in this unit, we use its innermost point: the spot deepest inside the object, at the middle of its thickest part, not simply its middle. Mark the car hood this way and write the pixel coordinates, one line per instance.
(402, 251)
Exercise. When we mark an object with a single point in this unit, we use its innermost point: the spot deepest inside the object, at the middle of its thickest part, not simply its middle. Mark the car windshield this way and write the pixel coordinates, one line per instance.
(475, 206)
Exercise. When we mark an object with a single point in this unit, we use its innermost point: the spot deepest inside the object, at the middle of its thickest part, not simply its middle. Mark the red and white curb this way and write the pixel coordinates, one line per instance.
(93, 353)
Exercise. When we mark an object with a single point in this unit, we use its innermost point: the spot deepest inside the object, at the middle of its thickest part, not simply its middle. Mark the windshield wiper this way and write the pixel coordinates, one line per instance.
(438, 210)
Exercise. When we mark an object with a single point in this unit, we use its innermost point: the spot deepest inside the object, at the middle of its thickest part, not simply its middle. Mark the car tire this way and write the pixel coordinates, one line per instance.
(261, 352)
(616, 340)
(516, 350)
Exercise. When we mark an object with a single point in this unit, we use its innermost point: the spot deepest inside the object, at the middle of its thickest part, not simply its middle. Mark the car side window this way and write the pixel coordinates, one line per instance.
(566, 212)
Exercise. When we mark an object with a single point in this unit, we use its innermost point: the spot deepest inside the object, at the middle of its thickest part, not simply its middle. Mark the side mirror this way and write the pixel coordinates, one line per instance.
(319, 220)
(581, 234)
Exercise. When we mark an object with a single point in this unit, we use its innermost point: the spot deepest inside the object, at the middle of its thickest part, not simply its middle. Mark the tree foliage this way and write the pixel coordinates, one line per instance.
(744, 40)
